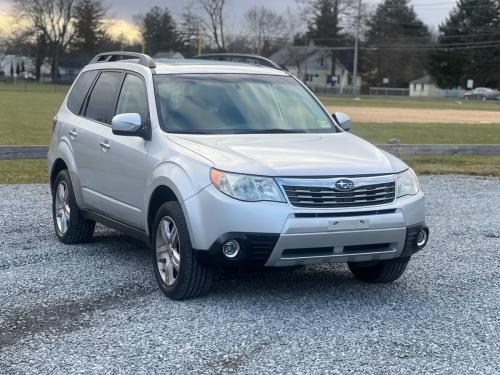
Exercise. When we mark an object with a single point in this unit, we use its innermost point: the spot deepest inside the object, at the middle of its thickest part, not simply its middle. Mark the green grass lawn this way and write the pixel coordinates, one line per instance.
(23, 171)
(430, 133)
(26, 117)
(405, 102)
(26, 113)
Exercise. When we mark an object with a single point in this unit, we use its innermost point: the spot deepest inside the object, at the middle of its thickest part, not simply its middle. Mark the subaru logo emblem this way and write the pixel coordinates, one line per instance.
(344, 184)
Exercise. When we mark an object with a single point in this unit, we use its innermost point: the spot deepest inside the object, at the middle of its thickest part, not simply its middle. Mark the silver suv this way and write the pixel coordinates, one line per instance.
(220, 164)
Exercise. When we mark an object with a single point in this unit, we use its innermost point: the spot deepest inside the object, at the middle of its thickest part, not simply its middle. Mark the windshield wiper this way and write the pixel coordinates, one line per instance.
(270, 131)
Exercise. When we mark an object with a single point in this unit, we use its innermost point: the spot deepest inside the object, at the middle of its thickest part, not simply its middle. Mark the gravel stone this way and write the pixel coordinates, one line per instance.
(95, 308)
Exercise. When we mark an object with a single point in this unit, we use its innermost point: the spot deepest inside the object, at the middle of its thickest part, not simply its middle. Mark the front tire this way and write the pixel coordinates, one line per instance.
(177, 271)
(69, 223)
(384, 271)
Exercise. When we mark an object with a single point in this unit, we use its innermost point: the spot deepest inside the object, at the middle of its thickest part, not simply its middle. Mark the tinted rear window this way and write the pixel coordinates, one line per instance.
(79, 91)
(101, 105)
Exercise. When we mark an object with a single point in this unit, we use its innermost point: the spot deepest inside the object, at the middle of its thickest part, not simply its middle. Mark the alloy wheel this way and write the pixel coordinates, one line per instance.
(62, 207)
(168, 255)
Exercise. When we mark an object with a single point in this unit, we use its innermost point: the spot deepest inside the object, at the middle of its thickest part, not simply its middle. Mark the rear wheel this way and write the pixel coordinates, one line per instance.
(384, 271)
(177, 271)
(70, 225)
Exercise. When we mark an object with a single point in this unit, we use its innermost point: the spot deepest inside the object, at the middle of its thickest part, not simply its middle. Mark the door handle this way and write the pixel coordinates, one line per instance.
(105, 145)
(73, 133)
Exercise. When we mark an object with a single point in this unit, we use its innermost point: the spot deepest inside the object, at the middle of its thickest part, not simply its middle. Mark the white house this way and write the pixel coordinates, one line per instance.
(318, 67)
(426, 86)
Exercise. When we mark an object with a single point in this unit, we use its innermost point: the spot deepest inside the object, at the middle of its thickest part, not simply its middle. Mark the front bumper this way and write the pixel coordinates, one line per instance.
(277, 234)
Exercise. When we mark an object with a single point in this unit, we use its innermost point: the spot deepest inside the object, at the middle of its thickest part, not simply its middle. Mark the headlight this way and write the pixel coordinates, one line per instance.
(245, 187)
(406, 183)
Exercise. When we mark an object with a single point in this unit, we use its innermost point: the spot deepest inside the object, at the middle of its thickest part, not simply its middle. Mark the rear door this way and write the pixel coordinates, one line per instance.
(95, 121)
(121, 177)
(71, 125)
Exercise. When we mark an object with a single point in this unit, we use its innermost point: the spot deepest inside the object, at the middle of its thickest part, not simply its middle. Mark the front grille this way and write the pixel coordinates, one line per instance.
(326, 197)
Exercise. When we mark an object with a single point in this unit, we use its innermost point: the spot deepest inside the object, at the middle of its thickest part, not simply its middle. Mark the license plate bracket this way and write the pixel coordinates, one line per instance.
(348, 224)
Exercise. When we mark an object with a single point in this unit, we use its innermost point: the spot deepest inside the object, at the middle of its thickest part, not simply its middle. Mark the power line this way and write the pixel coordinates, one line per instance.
(443, 45)
(429, 48)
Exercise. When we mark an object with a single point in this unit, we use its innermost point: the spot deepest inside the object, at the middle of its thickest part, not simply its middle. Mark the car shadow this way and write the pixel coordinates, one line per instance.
(302, 282)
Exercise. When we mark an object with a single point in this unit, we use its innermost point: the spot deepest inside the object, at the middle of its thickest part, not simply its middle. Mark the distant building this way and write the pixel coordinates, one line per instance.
(12, 66)
(21, 67)
(168, 55)
(426, 86)
(423, 86)
(316, 67)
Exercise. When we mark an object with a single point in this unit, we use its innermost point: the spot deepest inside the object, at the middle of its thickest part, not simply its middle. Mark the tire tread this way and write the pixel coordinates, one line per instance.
(195, 279)
(381, 272)
(80, 230)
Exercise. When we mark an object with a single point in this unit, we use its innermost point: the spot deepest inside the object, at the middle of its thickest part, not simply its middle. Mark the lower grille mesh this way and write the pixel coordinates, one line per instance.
(261, 246)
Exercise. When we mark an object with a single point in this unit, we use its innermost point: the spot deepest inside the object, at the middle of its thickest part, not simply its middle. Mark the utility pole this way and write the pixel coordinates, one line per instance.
(356, 53)
(199, 42)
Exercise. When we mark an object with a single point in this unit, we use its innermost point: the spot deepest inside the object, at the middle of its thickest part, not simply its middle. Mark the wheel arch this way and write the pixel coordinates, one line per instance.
(161, 194)
(61, 157)
(58, 166)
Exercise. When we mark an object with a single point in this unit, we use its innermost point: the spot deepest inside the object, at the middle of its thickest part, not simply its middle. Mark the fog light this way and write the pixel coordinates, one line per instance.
(422, 238)
(231, 248)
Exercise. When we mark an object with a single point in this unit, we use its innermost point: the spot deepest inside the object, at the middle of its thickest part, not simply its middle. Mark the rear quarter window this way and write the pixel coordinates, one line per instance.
(79, 91)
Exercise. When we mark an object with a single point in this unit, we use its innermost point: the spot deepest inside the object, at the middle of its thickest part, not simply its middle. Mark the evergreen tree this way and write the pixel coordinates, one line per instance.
(324, 27)
(468, 46)
(159, 31)
(89, 26)
(395, 36)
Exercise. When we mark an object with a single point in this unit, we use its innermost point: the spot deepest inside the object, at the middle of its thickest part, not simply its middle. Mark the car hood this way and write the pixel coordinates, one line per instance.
(332, 154)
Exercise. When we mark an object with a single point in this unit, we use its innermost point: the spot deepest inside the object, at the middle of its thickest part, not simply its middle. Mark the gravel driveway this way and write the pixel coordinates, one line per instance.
(95, 308)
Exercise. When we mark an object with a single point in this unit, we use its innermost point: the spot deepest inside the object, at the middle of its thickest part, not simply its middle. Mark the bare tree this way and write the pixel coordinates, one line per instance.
(214, 10)
(264, 27)
(53, 19)
(191, 30)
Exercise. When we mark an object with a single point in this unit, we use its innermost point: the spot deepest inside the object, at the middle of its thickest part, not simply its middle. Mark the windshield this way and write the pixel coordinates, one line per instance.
(238, 104)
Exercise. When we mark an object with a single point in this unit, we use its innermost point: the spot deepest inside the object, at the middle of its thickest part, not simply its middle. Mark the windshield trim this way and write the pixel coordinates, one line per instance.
(334, 129)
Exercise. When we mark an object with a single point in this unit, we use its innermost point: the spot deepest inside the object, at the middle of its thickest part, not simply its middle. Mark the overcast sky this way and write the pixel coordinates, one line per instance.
(431, 12)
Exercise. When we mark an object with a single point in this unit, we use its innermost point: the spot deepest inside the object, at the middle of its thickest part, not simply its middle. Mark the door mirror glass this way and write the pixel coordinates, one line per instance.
(126, 124)
(343, 120)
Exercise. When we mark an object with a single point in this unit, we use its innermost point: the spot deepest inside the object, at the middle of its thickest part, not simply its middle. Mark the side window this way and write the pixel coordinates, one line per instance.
(79, 91)
(133, 98)
(100, 106)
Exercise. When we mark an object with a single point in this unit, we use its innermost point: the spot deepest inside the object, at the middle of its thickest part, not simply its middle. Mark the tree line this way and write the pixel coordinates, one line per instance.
(395, 44)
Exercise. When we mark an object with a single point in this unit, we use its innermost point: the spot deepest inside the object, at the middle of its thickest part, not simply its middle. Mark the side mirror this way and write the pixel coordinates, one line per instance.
(130, 124)
(343, 120)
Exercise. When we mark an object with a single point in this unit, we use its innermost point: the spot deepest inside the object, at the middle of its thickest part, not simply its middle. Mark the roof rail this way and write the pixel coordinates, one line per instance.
(144, 59)
(238, 57)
